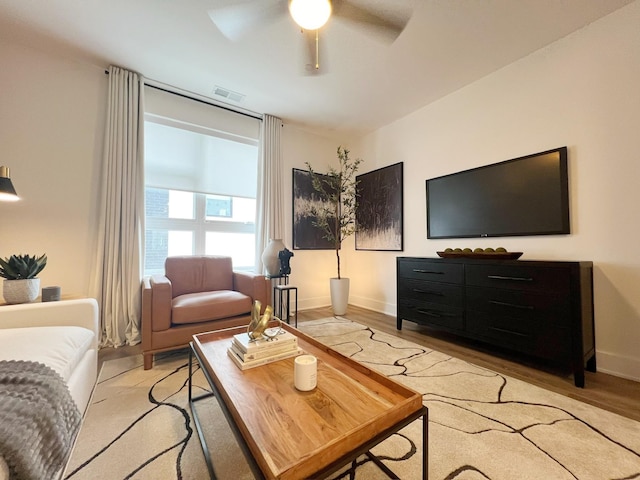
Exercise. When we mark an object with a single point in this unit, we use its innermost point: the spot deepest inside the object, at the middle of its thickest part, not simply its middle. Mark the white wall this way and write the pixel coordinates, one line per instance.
(51, 124)
(581, 92)
(310, 269)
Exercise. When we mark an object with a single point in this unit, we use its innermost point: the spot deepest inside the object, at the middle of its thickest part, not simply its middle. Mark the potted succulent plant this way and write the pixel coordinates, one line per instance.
(21, 284)
(336, 215)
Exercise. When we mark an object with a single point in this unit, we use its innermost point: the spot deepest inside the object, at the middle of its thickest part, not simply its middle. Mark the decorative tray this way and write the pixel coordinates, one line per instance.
(488, 255)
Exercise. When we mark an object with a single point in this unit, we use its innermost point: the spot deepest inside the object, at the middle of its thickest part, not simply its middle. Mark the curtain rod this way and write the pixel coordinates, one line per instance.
(201, 100)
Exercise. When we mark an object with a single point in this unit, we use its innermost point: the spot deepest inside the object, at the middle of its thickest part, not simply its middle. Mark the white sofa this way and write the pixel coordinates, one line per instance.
(63, 335)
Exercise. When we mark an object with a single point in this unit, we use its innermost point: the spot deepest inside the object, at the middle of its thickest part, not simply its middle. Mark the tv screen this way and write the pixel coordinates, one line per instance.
(523, 196)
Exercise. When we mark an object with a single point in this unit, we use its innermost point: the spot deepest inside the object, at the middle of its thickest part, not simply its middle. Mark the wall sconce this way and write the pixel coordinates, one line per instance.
(7, 192)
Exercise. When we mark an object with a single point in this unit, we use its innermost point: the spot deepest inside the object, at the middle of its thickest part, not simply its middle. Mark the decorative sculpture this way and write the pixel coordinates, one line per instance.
(285, 256)
(257, 328)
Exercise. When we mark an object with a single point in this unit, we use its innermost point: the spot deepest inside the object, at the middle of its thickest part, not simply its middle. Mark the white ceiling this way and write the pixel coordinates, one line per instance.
(446, 45)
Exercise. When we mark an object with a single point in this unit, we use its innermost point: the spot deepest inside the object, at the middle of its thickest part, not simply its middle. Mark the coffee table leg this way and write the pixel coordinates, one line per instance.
(381, 466)
(425, 445)
(425, 451)
(196, 421)
(190, 373)
(255, 469)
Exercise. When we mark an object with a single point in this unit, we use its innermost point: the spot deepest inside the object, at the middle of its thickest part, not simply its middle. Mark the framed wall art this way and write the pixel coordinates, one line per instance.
(379, 209)
(306, 236)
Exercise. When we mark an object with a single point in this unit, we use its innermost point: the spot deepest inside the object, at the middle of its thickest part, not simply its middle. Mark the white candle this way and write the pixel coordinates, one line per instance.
(305, 372)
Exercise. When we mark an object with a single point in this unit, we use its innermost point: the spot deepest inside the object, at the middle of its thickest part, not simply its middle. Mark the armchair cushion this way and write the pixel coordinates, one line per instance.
(199, 307)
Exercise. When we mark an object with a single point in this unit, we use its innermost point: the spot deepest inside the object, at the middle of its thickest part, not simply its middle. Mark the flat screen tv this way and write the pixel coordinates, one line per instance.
(524, 196)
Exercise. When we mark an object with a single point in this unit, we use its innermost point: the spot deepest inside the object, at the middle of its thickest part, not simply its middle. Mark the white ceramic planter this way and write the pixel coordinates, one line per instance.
(339, 295)
(21, 291)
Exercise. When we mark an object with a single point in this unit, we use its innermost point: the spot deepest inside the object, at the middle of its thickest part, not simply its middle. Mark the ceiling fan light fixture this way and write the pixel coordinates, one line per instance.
(310, 14)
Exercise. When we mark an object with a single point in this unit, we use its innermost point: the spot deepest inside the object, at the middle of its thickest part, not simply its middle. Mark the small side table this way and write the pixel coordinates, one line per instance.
(282, 280)
(280, 300)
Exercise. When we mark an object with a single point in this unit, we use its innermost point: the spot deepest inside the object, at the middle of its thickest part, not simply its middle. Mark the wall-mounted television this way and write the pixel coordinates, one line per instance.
(523, 196)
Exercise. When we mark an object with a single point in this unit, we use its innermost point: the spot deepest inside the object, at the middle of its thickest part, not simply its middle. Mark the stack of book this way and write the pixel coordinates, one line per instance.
(247, 353)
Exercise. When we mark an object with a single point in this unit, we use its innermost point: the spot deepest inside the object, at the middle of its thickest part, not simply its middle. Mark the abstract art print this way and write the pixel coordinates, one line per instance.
(306, 236)
(379, 209)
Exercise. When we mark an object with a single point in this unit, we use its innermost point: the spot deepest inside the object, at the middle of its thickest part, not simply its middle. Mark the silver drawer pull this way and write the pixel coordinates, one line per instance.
(512, 305)
(517, 279)
(511, 332)
(434, 314)
(417, 290)
(417, 270)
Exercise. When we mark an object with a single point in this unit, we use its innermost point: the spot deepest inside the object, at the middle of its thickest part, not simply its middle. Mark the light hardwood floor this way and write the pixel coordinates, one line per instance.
(611, 393)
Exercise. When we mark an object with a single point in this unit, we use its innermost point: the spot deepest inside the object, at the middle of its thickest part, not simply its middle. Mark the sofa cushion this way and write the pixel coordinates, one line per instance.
(61, 348)
(200, 307)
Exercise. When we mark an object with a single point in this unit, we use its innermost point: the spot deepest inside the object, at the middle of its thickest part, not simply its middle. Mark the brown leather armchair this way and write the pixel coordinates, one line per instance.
(196, 294)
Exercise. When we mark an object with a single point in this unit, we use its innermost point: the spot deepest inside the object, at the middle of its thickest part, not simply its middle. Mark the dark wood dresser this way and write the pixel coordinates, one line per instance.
(542, 309)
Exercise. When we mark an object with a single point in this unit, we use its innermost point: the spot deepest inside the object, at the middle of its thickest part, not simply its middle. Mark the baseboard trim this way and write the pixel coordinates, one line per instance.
(375, 305)
(311, 303)
(363, 302)
(617, 365)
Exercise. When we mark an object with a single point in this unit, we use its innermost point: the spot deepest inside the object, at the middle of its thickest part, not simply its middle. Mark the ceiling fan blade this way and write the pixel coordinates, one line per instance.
(389, 26)
(236, 20)
(314, 53)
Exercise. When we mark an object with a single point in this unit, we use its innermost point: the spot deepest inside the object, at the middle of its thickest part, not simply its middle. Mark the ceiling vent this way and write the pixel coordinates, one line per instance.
(228, 94)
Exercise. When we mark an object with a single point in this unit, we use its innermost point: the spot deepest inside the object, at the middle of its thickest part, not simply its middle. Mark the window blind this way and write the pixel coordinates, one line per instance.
(199, 148)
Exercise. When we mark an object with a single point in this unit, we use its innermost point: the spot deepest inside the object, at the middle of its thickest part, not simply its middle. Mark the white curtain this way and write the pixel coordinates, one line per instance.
(118, 271)
(270, 201)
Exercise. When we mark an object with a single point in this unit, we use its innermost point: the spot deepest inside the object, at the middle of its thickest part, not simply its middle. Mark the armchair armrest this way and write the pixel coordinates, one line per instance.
(253, 285)
(79, 313)
(156, 305)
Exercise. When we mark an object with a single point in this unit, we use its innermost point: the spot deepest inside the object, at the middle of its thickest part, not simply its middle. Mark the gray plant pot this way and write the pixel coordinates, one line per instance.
(21, 291)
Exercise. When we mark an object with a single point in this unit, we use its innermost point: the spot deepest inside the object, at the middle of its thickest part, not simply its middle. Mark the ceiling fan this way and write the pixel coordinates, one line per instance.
(236, 20)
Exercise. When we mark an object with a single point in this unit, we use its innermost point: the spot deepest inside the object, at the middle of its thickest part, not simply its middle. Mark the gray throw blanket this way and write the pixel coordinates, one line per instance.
(38, 420)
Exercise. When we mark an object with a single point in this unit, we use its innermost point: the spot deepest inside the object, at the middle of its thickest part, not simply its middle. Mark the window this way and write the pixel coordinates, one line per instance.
(218, 206)
(182, 223)
(200, 188)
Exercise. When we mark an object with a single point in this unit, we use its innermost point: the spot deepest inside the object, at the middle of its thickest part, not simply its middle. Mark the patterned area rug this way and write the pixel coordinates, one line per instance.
(483, 425)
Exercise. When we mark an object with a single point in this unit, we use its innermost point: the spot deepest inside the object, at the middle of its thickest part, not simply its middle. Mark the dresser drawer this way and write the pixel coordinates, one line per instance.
(431, 314)
(432, 292)
(519, 277)
(431, 271)
(510, 332)
(527, 336)
(545, 307)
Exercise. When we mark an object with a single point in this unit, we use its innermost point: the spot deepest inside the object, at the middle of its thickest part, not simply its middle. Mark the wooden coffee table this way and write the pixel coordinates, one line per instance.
(288, 434)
